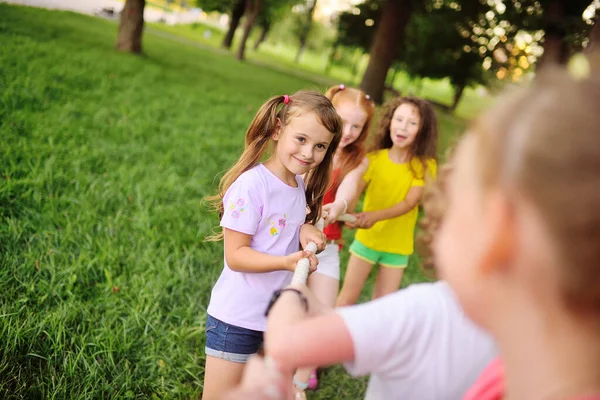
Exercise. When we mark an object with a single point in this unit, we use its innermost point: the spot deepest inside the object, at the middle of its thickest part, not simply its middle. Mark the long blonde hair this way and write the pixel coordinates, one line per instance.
(351, 155)
(260, 133)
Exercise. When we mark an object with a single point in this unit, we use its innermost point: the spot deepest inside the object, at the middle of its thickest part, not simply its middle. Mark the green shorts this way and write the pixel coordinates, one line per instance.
(391, 260)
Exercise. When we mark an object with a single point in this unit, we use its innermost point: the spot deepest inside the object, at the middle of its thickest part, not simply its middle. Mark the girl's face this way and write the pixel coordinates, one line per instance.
(405, 124)
(354, 119)
(302, 143)
(459, 246)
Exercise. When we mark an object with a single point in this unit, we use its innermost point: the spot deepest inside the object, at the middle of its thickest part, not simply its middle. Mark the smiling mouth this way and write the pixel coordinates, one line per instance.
(401, 137)
(305, 163)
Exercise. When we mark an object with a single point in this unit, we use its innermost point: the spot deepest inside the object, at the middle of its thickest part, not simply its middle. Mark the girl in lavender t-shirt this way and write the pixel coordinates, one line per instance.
(263, 208)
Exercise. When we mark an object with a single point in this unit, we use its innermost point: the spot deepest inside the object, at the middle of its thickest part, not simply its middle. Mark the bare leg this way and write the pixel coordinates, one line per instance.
(325, 289)
(220, 376)
(388, 281)
(356, 276)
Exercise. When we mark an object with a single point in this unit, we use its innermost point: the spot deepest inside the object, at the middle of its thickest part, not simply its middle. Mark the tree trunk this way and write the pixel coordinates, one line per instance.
(131, 26)
(458, 92)
(390, 31)
(556, 48)
(237, 12)
(331, 56)
(266, 27)
(355, 62)
(305, 30)
(252, 10)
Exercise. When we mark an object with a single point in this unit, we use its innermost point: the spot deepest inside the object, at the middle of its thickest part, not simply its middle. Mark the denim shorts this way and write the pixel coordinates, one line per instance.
(230, 342)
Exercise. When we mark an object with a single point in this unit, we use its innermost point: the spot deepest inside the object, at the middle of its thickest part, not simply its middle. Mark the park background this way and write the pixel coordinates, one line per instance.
(111, 135)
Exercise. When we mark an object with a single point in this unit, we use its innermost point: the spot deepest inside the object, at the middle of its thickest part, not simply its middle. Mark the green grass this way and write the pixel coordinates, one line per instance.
(105, 157)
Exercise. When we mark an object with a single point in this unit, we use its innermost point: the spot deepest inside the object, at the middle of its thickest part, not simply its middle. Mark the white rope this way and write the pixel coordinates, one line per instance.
(303, 266)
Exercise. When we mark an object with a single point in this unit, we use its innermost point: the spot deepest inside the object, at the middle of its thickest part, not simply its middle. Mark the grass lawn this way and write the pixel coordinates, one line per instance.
(105, 157)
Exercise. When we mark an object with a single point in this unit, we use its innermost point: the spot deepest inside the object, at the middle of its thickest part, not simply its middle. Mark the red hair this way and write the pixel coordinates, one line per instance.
(351, 156)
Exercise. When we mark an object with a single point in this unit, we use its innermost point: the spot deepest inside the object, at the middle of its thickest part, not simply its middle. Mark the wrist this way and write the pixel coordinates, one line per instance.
(343, 204)
(376, 216)
(287, 263)
(292, 291)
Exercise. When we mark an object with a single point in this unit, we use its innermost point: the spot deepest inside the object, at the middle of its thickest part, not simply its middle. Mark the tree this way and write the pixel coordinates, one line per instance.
(436, 45)
(456, 38)
(354, 32)
(235, 9)
(560, 21)
(131, 26)
(265, 28)
(305, 27)
(389, 32)
(271, 12)
(253, 8)
(237, 12)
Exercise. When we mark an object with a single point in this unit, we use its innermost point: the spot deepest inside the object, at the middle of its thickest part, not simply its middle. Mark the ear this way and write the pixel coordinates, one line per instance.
(277, 130)
(500, 235)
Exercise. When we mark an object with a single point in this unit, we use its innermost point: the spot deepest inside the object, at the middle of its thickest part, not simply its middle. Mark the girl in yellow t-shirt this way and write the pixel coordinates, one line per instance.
(404, 153)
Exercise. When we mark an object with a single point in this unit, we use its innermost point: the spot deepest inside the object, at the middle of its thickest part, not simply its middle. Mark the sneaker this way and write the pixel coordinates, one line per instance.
(313, 381)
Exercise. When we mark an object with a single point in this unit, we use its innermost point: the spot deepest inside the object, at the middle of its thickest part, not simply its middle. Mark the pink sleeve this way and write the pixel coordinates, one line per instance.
(489, 385)
(243, 204)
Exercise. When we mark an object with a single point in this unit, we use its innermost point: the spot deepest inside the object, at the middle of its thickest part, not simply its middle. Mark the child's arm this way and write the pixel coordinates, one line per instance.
(369, 218)
(241, 257)
(347, 193)
(295, 338)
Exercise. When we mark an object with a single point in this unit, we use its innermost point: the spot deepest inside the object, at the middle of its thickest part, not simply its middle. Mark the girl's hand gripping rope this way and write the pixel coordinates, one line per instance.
(293, 260)
(313, 240)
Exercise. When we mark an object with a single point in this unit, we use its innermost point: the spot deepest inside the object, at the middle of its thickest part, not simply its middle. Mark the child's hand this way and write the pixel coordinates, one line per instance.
(366, 219)
(353, 224)
(292, 260)
(332, 211)
(309, 233)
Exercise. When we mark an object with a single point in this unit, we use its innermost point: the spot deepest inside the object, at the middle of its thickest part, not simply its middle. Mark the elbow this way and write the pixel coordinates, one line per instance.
(233, 263)
(413, 204)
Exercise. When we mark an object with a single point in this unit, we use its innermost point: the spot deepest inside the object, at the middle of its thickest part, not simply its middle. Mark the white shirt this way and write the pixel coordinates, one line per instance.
(417, 343)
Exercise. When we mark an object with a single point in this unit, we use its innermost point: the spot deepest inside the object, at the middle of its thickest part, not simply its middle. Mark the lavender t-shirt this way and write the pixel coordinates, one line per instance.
(258, 204)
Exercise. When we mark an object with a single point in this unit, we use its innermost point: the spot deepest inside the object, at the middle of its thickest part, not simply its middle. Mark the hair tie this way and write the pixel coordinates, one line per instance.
(342, 86)
(367, 97)
(286, 99)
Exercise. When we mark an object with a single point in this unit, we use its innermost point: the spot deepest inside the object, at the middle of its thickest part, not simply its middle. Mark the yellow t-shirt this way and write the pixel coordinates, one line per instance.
(388, 184)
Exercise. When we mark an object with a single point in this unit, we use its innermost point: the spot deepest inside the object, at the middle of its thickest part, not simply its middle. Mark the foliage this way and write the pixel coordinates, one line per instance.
(356, 27)
(222, 6)
(285, 31)
(435, 48)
